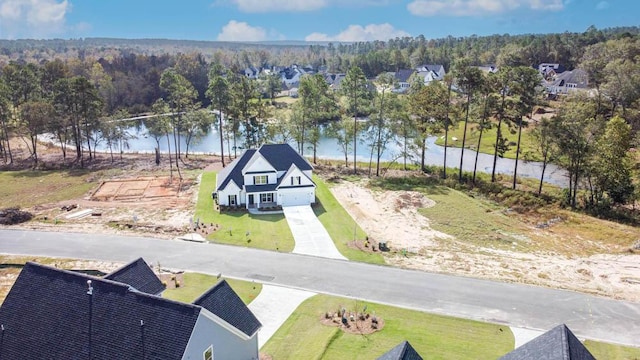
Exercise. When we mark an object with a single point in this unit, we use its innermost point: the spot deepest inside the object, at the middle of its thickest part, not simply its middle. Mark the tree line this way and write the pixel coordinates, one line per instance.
(78, 101)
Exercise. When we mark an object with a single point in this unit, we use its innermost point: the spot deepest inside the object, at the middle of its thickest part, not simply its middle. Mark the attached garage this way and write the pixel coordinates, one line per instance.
(294, 197)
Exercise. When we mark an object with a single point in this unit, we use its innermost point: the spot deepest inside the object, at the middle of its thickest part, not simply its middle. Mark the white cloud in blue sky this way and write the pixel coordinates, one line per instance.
(361, 33)
(241, 31)
(602, 5)
(478, 7)
(32, 18)
(258, 6)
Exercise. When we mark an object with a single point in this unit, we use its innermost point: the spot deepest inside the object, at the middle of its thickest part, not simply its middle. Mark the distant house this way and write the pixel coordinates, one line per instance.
(566, 82)
(57, 314)
(403, 351)
(549, 70)
(488, 69)
(431, 73)
(402, 80)
(558, 343)
(273, 175)
(140, 276)
(334, 80)
(251, 72)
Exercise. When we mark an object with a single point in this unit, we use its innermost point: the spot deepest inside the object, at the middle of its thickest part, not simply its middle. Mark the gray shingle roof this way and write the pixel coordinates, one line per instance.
(403, 351)
(558, 343)
(48, 314)
(280, 156)
(139, 275)
(403, 75)
(223, 302)
(234, 170)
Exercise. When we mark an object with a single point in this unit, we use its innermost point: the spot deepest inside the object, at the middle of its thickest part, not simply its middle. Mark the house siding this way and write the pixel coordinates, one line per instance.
(231, 189)
(226, 345)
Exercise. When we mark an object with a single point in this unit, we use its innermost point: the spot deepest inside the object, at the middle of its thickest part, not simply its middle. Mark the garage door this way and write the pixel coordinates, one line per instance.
(293, 199)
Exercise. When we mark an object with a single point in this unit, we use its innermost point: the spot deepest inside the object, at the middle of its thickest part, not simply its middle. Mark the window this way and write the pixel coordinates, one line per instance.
(208, 354)
(260, 179)
(232, 200)
(268, 197)
(295, 180)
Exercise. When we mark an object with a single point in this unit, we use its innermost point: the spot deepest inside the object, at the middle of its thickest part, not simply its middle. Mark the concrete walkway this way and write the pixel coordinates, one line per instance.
(310, 236)
(523, 335)
(273, 306)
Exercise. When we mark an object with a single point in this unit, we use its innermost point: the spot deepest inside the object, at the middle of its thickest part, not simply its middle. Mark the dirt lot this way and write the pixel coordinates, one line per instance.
(392, 216)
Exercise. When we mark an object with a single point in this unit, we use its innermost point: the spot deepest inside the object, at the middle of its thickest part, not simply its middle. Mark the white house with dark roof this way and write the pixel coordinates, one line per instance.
(273, 175)
(57, 314)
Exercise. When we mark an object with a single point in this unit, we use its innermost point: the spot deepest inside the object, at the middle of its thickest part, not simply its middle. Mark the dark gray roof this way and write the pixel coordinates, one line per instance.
(280, 156)
(139, 275)
(48, 314)
(403, 75)
(403, 351)
(558, 343)
(260, 188)
(223, 302)
(234, 170)
(577, 76)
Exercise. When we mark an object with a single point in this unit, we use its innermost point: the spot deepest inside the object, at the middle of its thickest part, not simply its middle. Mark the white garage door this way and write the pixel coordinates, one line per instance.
(293, 199)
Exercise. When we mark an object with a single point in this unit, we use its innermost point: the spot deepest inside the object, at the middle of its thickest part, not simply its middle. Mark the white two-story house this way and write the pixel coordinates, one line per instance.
(273, 175)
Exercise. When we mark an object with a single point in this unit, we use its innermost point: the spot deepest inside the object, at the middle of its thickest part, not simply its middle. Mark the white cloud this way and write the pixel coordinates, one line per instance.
(258, 6)
(241, 31)
(353, 33)
(478, 7)
(32, 18)
(602, 5)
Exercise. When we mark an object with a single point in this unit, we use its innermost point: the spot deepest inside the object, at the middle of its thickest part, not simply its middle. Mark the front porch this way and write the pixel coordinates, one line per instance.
(262, 201)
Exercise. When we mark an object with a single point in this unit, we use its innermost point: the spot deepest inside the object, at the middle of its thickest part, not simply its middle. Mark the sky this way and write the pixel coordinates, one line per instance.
(310, 20)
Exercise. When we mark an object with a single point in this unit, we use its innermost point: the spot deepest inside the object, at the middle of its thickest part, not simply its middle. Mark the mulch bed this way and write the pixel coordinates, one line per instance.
(355, 323)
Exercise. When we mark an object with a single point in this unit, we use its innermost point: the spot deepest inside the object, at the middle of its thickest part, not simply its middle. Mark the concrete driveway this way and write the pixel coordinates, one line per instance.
(273, 306)
(310, 235)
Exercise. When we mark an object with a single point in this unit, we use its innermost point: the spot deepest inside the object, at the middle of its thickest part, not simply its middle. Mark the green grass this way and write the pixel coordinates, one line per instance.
(528, 146)
(302, 336)
(469, 219)
(612, 352)
(340, 225)
(27, 188)
(195, 284)
(269, 232)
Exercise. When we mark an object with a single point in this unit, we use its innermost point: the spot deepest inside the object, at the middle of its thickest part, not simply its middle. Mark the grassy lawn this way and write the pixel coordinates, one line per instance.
(269, 232)
(613, 352)
(528, 146)
(340, 225)
(195, 284)
(302, 336)
(28, 188)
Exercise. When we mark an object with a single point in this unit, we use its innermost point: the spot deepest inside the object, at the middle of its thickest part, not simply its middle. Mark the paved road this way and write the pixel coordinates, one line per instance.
(517, 305)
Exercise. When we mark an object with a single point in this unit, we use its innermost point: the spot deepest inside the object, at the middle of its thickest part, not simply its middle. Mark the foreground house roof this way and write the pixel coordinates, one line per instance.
(558, 343)
(223, 302)
(140, 276)
(403, 351)
(57, 314)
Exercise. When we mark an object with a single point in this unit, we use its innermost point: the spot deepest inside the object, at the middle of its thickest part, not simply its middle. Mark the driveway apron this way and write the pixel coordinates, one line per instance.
(309, 234)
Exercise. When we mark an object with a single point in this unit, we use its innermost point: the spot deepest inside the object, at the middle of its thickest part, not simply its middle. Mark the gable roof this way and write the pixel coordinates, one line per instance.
(403, 75)
(403, 351)
(577, 76)
(139, 275)
(558, 343)
(49, 312)
(234, 171)
(280, 156)
(223, 302)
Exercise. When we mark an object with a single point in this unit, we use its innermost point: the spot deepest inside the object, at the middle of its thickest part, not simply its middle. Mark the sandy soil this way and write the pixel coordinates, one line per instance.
(397, 221)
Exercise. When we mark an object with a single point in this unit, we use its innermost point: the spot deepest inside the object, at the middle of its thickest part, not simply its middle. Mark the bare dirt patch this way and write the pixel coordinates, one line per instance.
(392, 216)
